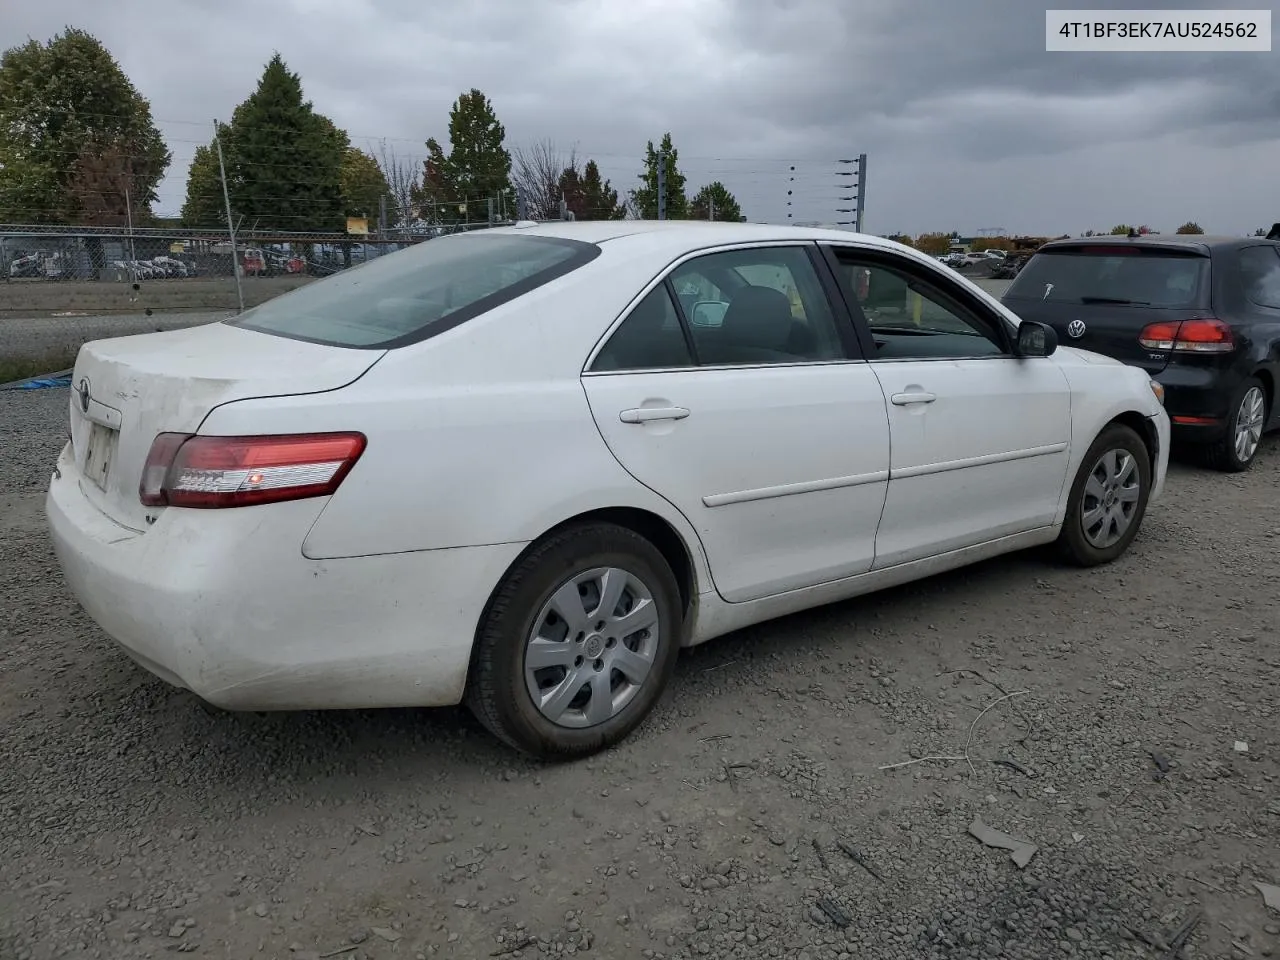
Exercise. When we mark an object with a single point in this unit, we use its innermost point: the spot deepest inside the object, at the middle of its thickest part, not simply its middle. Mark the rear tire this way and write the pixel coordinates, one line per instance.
(558, 672)
(1108, 498)
(1238, 447)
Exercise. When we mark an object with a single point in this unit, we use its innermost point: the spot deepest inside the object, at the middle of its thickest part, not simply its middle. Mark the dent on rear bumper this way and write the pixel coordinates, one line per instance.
(224, 604)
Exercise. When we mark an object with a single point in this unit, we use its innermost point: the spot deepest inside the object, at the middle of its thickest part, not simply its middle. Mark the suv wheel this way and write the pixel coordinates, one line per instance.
(1236, 450)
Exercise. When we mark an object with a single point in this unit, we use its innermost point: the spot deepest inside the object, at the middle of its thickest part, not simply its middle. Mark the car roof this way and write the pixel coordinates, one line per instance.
(692, 233)
(666, 240)
(1198, 242)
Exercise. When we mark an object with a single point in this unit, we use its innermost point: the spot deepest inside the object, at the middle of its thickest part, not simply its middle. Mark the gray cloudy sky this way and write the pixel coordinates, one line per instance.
(967, 121)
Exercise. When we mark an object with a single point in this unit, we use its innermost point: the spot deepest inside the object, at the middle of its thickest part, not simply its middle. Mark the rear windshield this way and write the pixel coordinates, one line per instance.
(1139, 276)
(408, 296)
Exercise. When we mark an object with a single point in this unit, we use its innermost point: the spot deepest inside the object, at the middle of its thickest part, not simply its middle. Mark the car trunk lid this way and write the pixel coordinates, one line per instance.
(1100, 296)
(126, 390)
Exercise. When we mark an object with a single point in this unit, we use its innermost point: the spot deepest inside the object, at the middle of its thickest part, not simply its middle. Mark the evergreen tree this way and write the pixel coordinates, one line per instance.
(72, 123)
(715, 202)
(204, 205)
(284, 160)
(457, 186)
(645, 198)
(599, 201)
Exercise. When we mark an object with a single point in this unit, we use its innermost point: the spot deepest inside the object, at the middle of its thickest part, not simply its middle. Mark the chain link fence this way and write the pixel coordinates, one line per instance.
(53, 270)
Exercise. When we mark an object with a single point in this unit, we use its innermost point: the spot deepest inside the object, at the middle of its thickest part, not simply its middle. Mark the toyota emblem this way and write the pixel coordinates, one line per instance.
(1075, 329)
(82, 391)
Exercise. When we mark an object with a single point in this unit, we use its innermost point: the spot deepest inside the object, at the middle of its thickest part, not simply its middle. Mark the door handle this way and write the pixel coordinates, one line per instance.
(649, 414)
(902, 399)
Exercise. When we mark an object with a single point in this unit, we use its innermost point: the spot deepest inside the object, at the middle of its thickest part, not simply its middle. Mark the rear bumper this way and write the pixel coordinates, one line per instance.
(1197, 399)
(222, 603)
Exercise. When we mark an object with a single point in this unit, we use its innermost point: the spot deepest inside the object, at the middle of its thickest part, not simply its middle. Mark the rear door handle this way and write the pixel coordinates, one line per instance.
(649, 414)
(902, 399)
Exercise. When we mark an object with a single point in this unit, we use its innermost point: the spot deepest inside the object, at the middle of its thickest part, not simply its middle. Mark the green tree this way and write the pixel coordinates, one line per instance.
(934, 244)
(364, 187)
(100, 189)
(715, 202)
(589, 196)
(1189, 227)
(645, 198)
(72, 122)
(284, 160)
(457, 186)
(1120, 230)
(204, 205)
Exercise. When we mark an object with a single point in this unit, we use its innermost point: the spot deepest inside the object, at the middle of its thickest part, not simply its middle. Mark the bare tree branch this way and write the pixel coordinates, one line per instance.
(536, 170)
(402, 177)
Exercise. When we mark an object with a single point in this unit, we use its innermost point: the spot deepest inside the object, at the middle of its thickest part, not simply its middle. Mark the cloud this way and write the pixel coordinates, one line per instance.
(966, 120)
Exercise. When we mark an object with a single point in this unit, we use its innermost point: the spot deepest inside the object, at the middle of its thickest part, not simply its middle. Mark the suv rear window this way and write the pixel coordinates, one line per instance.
(417, 293)
(1141, 276)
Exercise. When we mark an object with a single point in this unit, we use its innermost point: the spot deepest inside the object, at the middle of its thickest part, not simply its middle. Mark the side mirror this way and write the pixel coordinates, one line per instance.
(1036, 339)
(708, 313)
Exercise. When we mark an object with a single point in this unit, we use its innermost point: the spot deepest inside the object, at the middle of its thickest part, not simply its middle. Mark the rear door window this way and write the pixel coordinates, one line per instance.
(405, 297)
(1136, 276)
(1260, 270)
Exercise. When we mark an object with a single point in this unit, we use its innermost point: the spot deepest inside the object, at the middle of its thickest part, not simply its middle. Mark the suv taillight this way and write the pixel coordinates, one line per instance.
(1202, 335)
(183, 470)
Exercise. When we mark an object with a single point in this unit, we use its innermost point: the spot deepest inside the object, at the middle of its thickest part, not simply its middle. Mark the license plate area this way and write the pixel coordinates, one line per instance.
(100, 451)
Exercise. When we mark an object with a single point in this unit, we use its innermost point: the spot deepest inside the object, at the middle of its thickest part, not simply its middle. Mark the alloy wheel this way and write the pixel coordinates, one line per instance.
(1110, 499)
(1249, 421)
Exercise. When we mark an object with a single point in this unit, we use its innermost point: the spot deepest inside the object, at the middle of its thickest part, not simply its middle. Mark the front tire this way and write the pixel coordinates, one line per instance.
(1235, 452)
(577, 644)
(1108, 498)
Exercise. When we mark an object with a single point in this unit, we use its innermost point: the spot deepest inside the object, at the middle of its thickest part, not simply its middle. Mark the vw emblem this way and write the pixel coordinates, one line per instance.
(82, 391)
(1075, 329)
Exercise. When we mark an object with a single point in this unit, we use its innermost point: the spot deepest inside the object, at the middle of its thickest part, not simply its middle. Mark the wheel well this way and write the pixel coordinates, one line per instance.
(1145, 429)
(1268, 387)
(658, 532)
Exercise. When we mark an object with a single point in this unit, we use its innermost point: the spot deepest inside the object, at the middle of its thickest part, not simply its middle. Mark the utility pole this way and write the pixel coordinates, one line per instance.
(382, 217)
(662, 186)
(128, 212)
(859, 197)
(711, 206)
(490, 206)
(862, 191)
(522, 204)
(231, 230)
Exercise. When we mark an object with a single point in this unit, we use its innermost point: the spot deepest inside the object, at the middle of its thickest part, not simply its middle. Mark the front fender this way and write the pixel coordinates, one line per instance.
(1100, 394)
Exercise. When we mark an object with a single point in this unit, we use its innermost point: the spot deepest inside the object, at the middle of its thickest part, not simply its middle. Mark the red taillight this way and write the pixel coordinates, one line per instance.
(209, 472)
(1202, 335)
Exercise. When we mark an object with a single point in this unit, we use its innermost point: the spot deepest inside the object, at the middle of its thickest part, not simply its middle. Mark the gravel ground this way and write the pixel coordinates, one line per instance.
(136, 823)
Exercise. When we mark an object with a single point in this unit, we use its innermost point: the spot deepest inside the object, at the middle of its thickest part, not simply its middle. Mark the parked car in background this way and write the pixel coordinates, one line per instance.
(255, 262)
(1200, 314)
(523, 467)
(25, 266)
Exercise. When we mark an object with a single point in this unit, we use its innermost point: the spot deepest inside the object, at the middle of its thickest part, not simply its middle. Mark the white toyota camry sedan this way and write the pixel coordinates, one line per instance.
(520, 468)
